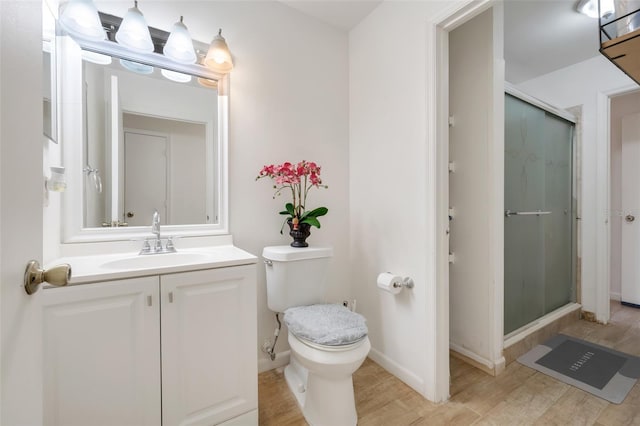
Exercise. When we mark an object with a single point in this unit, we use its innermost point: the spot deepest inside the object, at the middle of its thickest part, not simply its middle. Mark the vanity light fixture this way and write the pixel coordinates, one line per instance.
(136, 67)
(590, 8)
(134, 32)
(179, 45)
(80, 19)
(219, 57)
(176, 76)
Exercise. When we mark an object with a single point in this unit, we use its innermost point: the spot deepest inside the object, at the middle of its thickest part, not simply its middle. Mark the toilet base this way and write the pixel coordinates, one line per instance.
(324, 402)
(296, 378)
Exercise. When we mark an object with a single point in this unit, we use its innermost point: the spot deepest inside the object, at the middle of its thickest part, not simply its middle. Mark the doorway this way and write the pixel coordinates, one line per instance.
(624, 208)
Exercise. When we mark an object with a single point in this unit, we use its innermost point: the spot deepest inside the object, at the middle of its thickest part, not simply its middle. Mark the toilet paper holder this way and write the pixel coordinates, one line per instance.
(407, 282)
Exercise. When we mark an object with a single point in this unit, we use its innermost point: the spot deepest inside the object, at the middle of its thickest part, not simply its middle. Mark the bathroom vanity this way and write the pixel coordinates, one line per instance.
(148, 340)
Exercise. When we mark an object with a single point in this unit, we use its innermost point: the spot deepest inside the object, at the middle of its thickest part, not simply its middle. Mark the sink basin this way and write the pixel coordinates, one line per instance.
(152, 261)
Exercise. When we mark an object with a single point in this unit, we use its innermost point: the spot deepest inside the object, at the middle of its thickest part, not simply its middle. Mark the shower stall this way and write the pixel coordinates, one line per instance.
(539, 218)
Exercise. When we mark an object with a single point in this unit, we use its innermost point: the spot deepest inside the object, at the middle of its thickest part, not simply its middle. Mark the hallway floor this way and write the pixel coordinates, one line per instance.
(519, 396)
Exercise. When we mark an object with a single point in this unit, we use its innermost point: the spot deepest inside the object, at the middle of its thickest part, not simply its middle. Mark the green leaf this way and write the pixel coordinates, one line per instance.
(320, 211)
(289, 208)
(311, 221)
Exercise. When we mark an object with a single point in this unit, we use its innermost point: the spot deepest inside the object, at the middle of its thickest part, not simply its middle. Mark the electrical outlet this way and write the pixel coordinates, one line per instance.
(350, 304)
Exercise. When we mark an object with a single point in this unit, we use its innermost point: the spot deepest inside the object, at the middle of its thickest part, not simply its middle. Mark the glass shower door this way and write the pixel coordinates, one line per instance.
(538, 224)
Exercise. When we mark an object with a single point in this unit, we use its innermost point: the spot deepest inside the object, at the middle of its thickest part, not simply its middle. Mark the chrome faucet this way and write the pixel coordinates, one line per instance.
(155, 224)
(154, 245)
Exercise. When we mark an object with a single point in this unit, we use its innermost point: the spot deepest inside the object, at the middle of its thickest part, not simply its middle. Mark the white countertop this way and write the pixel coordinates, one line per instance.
(85, 269)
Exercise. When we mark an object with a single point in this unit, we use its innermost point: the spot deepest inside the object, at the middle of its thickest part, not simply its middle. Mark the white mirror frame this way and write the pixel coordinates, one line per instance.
(71, 136)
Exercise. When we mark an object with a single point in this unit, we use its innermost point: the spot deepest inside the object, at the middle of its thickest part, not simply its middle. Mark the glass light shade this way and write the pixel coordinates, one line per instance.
(590, 8)
(219, 57)
(179, 46)
(80, 19)
(209, 84)
(134, 32)
(176, 76)
(136, 67)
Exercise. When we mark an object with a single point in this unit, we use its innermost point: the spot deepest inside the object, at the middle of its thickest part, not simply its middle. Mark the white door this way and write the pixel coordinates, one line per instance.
(145, 177)
(102, 346)
(209, 359)
(21, 213)
(630, 277)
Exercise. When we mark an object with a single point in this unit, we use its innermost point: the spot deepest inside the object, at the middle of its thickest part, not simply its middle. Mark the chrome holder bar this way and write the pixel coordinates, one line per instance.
(509, 213)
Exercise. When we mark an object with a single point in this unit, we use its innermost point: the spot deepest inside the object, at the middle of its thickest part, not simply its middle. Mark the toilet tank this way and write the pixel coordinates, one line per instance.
(295, 276)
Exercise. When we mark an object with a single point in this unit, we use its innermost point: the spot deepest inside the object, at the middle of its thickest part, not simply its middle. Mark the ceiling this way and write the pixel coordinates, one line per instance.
(540, 36)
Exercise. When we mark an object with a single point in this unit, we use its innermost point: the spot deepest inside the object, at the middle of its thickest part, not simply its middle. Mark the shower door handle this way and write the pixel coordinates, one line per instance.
(509, 213)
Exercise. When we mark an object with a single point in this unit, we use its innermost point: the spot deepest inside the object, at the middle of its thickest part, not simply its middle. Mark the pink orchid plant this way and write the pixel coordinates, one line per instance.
(300, 179)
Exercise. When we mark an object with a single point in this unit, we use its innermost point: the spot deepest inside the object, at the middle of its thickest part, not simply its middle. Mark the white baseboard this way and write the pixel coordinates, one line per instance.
(490, 365)
(615, 296)
(265, 364)
(408, 377)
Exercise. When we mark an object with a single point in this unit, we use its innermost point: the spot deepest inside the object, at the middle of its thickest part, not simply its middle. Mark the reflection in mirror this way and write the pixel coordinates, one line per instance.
(149, 144)
(49, 107)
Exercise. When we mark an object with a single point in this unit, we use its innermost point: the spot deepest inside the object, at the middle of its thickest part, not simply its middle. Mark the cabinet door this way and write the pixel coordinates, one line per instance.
(101, 354)
(209, 355)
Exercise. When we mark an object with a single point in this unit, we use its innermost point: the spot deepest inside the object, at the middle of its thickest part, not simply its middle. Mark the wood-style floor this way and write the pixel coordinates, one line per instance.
(518, 396)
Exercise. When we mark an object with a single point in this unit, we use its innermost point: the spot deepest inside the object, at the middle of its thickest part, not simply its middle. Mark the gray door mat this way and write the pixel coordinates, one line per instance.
(596, 369)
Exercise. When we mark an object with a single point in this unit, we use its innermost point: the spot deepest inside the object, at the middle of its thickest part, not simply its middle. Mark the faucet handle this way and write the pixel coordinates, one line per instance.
(146, 248)
(169, 245)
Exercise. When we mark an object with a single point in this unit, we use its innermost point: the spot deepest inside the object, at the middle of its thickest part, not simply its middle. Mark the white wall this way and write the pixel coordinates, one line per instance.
(393, 195)
(473, 192)
(576, 85)
(620, 106)
(288, 102)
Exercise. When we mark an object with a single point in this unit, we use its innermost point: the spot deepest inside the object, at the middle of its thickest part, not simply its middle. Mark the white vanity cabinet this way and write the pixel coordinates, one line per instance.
(174, 349)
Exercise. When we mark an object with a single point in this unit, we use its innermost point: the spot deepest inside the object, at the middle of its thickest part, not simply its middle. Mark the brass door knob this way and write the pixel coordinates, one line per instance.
(34, 276)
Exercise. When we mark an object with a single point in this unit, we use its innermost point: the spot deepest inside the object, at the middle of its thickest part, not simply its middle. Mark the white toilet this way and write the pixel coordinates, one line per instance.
(328, 342)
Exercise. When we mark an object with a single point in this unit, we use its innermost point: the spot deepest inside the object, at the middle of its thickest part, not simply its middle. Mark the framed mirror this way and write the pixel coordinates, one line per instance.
(49, 82)
(140, 134)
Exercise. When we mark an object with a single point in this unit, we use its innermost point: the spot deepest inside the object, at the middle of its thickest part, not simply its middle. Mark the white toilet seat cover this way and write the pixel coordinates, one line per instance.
(330, 324)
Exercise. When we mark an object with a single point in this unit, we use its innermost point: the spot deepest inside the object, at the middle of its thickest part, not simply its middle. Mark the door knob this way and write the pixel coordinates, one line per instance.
(34, 276)
(629, 218)
(130, 214)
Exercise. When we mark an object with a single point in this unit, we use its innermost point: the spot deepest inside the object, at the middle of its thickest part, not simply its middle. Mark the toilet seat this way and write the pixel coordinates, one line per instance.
(331, 348)
(326, 326)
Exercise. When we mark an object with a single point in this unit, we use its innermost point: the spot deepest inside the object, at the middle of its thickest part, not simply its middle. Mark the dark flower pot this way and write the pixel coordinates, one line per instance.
(299, 235)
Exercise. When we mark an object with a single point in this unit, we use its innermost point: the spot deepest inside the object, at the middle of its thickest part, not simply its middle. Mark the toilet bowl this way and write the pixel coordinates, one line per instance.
(328, 342)
(320, 377)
